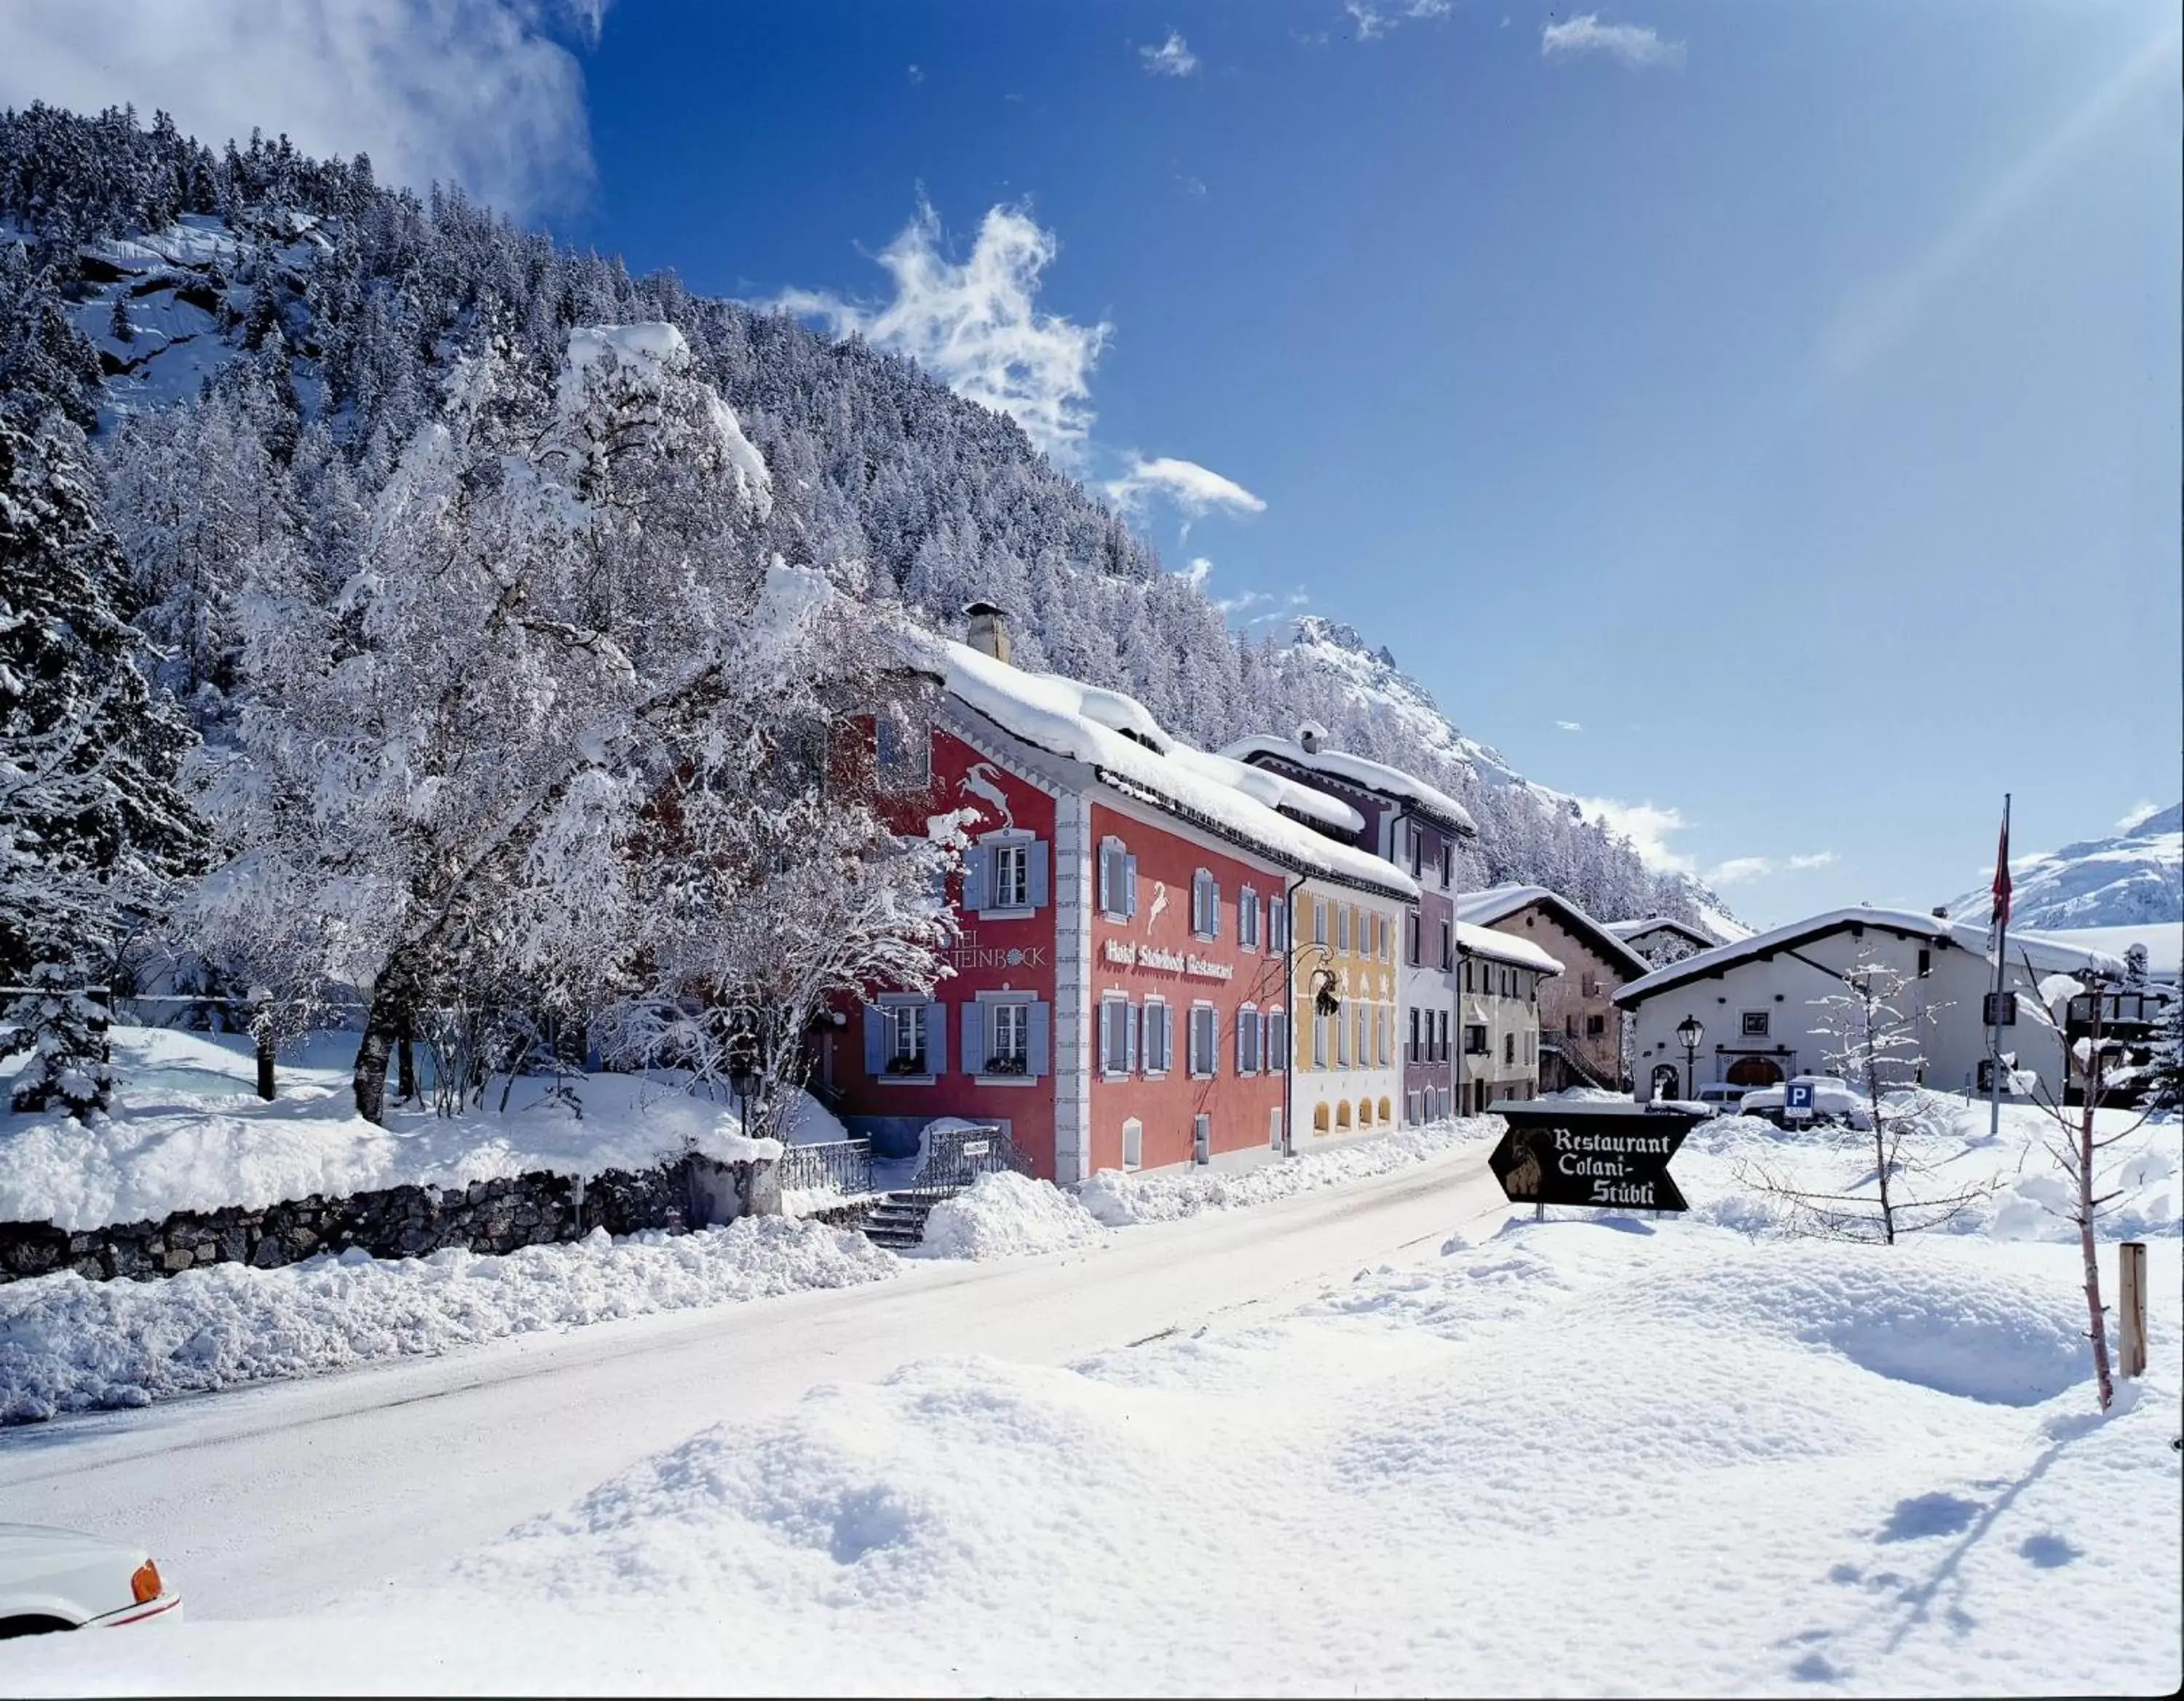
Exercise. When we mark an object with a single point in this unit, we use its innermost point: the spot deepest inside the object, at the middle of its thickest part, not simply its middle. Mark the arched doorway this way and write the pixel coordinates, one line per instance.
(1667, 1081)
(1755, 1072)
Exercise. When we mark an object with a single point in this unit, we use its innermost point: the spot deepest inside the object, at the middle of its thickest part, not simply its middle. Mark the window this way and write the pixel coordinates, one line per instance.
(1415, 1013)
(1117, 879)
(1319, 1118)
(1201, 1140)
(1203, 1033)
(1411, 937)
(1342, 1114)
(1204, 904)
(1364, 1057)
(1569, 1025)
(1318, 1041)
(1508, 1048)
(1319, 921)
(1447, 866)
(1008, 1044)
(1158, 1037)
(1364, 1112)
(1278, 924)
(1418, 849)
(1278, 1039)
(1508, 983)
(1385, 1108)
(1410, 1108)
(1115, 1047)
(1925, 962)
(1341, 1043)
(1595, 1027)
(1447, 946)
(1441, 1055)
(1754, 1024)
(1531, 1046)
(1589, 985)
(1474, 1039)
(1343, 913)
(1383, 1036)
(1248, 1036)
(907, 1041)
(1467, 977)
(1247, 918)
(902, 754)
(1133, 1144)
(1012, 877)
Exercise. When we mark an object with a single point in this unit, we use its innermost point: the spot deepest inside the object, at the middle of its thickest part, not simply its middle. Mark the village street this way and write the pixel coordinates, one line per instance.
(278, 1498)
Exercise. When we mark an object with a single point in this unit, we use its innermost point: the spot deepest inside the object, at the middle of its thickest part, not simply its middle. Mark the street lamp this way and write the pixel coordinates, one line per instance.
(743, 1082)
(1689, 1033)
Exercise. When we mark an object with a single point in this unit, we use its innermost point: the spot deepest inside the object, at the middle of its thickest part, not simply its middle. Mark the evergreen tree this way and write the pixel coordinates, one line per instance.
(64, 1032)
(90, 818)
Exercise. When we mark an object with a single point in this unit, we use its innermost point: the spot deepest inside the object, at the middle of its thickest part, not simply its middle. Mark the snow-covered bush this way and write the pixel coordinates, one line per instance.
(64, 1031)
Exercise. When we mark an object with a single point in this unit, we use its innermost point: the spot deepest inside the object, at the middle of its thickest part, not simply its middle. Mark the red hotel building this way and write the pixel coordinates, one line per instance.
(1118, 999)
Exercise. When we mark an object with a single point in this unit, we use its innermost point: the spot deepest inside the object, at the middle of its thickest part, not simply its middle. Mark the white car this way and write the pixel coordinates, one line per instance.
(1721, 1099)
(62, 1580)
(1833, 1100)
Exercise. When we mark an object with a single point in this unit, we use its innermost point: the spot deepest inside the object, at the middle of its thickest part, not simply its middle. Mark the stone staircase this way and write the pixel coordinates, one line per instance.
(897, 1220)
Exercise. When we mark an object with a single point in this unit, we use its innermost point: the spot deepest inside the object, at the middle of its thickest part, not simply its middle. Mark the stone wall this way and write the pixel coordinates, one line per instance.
(497, 1216)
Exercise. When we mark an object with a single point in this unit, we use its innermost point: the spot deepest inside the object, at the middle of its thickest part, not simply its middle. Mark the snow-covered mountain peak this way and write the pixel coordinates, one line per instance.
(2129, 877)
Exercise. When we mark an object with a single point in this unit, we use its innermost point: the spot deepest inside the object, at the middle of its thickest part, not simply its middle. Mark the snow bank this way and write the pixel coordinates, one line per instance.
(177, 1141)
(67, 1344)
(1003, 1214)
(1116, 1198)
(1726, 1163)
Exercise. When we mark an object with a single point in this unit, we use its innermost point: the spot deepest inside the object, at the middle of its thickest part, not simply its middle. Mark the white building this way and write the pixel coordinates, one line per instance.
(1498, 1007)
(1756, 1001)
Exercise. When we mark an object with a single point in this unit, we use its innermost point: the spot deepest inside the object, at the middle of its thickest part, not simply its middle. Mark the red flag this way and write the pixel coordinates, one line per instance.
(2001, 875)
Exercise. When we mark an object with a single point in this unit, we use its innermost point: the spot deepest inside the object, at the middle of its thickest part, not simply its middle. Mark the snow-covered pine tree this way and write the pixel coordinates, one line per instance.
(2165, 1071)
(64, 1031)
(93, 822)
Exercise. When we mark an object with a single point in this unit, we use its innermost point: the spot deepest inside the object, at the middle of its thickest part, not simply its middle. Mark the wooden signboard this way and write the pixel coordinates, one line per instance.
(1609, 1157)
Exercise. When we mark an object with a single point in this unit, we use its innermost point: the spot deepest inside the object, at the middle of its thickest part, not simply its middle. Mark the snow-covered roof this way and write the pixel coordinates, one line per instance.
(1360, 771)
(1496, 903)
(1128, 747)
(2045, 954)
(1639, 928)
(1272, 790)
(1475, 941)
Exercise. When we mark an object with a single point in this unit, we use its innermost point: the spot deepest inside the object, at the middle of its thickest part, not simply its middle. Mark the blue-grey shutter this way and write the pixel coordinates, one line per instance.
(1243, 1027)
(1167, 1037)
(876, 1041)
(1213, 909)
(975, 861)
(1131, 1013)
(1106, 891)
(1039, 1042)
(1035, 876)
(974, 1038)
(1129, 885)
(936, 1039)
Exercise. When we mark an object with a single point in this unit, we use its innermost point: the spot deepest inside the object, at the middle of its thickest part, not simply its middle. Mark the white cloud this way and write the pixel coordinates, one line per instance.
(1570, 726)
(974, 326)
(1196, 490)
(1172, 58)
(917, 74)
(1814, 859)
(486, 93)
(1646, 826)
(1637, 45)
(1197, 572)
(1372, 22)
(1738, 869)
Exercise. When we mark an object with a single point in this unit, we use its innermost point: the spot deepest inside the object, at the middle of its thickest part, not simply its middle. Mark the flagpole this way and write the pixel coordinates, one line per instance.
(2000, 940)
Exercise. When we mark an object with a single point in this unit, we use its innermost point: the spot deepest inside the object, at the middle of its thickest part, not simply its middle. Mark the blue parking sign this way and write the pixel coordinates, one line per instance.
(1798, 1099)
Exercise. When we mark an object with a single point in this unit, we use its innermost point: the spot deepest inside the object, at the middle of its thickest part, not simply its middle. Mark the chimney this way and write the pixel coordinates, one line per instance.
(989, 629)
(1941, 912)
(1309, 736)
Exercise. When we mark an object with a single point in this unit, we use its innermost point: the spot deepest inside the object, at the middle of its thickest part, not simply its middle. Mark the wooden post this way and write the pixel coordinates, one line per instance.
(261, 1035)
(2131, 1305)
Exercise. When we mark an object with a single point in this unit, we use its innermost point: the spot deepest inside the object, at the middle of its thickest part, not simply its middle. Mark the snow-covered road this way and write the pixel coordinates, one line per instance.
(273, 1499)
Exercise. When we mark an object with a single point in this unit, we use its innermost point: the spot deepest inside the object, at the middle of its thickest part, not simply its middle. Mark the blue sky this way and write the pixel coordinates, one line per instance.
(1763, 416)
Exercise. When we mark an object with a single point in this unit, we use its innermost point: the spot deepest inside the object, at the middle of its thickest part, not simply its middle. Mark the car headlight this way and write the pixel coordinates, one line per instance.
(145, 1584)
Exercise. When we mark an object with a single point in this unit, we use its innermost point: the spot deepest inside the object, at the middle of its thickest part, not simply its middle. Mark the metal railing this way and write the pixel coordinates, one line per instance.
(844, 1165)
(955, 1158)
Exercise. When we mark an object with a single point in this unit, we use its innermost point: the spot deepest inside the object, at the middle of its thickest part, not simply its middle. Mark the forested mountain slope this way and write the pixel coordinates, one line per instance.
(249, 338)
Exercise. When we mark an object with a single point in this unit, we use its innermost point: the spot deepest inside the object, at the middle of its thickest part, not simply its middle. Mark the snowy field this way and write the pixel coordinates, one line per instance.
(1615, 1455)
